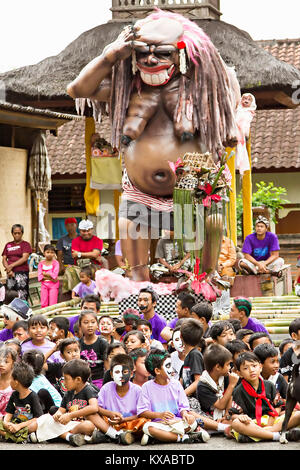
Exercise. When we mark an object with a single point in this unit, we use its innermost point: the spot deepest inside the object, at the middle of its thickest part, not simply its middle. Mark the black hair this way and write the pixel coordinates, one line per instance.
(13, 341)
(236, 346)
(76, 327)
(131, 317)
(37, 320)
(65, 343)
(187, 300)
(5, 350)
(107, 316)
(62, 323)
(257, 335)
(155, 359)
(215, 354)
(246, 356)
(217, 328)
(93, 298)
(203, 310)
(87, 270)
(284, 343)
(191, 332)
(83, 313)
(265, 350)
(10, 295)
(236, 324)
(17, 226)
(77, 368)
(122, 360)
(136, 333)
(49, 248)
(144, 322)
(113, 346)
(20, 324)
(243, 332)
(35, 359)
(23, 373)
(149, 290)
(138, 352)
(294, 326)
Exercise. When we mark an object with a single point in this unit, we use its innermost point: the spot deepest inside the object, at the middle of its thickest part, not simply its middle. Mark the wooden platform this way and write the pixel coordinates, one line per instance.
(263, 285)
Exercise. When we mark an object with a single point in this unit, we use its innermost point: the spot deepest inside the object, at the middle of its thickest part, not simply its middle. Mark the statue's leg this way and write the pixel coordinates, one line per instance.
(135, 249)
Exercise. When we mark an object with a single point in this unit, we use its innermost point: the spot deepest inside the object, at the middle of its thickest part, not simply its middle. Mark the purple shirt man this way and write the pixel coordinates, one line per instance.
(260, 249)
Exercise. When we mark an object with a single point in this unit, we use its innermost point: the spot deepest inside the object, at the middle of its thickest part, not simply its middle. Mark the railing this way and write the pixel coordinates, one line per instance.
(159, 3)
(199, 8)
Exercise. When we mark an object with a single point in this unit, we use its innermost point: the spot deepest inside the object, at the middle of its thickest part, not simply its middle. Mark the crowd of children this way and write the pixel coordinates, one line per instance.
(94, 379)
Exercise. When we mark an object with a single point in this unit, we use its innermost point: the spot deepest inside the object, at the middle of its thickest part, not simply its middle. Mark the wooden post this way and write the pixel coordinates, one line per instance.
(232, 220)
(91, 196)
(247, 197)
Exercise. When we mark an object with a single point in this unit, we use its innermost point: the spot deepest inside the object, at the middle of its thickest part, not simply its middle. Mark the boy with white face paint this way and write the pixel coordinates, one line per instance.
(164, 402)
(177, 356)
(117, 401)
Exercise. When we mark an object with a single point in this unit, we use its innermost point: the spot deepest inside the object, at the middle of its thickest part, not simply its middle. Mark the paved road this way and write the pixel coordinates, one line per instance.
(216, 443)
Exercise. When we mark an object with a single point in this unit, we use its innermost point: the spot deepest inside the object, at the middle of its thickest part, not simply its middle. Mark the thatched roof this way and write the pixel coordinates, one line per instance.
(256, 68)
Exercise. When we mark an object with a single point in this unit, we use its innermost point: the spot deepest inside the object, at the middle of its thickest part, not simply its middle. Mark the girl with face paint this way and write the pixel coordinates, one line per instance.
(177, 356)
(107, 328)
(117, 401)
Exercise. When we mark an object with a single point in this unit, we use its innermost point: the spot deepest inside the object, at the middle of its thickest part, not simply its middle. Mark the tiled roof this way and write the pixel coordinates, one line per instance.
(276, 133)
(67, 150)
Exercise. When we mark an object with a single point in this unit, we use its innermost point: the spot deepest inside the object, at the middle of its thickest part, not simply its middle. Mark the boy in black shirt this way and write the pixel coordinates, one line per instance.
(191, 333)
(23, 407)
(255, 396)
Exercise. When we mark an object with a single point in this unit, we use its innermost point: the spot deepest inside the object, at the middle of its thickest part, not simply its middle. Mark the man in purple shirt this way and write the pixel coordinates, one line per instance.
(146, 303)
(261, 251)
(241, 309)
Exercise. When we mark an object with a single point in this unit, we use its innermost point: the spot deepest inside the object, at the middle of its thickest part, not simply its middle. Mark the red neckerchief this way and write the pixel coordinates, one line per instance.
(259, 396)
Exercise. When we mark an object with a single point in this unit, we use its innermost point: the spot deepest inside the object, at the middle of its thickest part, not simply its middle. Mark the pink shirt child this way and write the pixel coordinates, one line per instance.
(49, 289)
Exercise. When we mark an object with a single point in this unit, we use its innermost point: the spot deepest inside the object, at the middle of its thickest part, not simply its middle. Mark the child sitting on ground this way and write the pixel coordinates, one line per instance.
(221, 332)
(134, 339)
(20, 330)
(236, 347)
(146, 328)
(23, 407)
(216, 384)
(140, 373)
(268, 356)
(255, 396)
(47, 394)
(260, 337)
(38, 330)
(92, 346)
(117, 401)
(111, 351)
(86, 285)
(177, 356)
(164, 402)
(8, 358)
(68, 349)
(107, 328)
(193, 366)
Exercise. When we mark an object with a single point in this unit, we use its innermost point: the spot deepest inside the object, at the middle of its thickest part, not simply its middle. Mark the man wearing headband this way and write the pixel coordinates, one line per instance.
(64, 244)
(241, 310)
(261, 251)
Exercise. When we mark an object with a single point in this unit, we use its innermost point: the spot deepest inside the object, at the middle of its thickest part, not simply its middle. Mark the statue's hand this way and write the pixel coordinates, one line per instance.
(121, 48)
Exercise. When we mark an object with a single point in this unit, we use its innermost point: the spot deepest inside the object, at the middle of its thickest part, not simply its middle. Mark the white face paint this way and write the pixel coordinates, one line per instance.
(54, 333)
(177, 342)
(106, 326)
(120, 375)
(168, 368)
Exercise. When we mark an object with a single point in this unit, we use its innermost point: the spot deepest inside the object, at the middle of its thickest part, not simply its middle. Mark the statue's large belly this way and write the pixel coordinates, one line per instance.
(146, 159)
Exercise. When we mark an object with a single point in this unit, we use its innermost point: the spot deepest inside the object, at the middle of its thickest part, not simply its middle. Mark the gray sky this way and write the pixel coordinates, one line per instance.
(31, 32)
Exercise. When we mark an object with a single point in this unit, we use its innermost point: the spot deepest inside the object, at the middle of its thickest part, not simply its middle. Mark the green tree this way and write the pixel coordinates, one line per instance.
(266, 195)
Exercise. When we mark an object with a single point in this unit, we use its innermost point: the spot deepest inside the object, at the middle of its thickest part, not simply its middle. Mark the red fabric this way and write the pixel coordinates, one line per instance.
(86, 246)
(14, 251)
(260, 396)
(70, 220)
